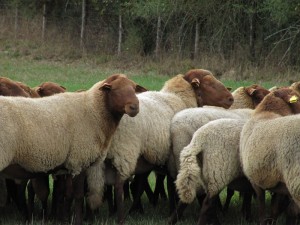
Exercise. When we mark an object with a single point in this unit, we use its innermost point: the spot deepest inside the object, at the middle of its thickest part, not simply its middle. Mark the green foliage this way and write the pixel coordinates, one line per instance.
(283, 11)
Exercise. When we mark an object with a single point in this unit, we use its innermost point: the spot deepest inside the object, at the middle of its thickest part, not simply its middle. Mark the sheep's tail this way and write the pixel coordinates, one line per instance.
(189, 177)
(95, 183)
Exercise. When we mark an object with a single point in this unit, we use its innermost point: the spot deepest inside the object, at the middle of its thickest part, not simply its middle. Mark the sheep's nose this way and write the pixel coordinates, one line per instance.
(133, 107)
(231, 100)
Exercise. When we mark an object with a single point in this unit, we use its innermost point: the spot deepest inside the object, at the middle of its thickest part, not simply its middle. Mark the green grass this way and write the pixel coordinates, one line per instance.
(82, 74)
(152, 215)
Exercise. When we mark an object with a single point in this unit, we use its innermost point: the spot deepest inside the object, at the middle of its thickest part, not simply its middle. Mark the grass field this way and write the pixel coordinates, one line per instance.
(82, 75)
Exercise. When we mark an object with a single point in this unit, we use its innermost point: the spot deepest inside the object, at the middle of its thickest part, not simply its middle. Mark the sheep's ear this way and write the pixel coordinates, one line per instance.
(105, 86)
(140, 89)
(195, 83)
(251, 91)
(38, 90)
(63, 87)
(229, 88)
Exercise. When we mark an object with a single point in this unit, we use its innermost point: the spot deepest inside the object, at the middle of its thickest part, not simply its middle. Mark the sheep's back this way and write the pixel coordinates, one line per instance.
(186, 122)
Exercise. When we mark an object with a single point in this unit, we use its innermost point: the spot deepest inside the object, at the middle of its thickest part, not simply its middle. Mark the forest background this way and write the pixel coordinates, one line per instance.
(236, 39)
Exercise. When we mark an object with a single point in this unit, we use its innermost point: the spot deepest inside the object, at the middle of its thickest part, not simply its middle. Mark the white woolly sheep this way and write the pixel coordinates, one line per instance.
(269, 146)
(185, 123)
(243, 97)
(76, 127)
(210, 162)
(148, 135)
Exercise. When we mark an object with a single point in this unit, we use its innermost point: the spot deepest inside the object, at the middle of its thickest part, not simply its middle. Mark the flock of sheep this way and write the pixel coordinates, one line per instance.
(194, 131)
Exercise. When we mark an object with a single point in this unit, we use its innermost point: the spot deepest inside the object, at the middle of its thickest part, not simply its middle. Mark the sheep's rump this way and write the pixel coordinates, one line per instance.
(268, 147)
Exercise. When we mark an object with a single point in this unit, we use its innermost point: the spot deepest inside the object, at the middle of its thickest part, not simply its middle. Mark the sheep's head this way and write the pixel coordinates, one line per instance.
(296, 87)
(283, 101)
(49, 88)
(256, 93)
(32, 93)
(208, 89)
(121, 95)
(11, 88)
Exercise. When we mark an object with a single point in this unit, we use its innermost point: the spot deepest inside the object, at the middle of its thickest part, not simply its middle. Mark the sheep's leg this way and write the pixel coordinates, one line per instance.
(126, 190)
(208, 211)
(4, 194)
(31, 195)
(68, 193)
(119, 198)
(279, 203)
(292, 213)
(173, 197)
(177, 214)
(58, 198)
(22, 205)
(148, 189)
(201, 198)
(11, 187)
(140, 181)
(246, 206)
(110, 200)
(78, 190)
(159, 188)
(230, 193)
(42, 190)
(260, 193)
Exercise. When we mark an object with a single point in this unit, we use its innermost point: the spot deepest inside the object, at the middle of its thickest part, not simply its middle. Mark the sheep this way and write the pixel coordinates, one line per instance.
(186, 122)
(242, 97)
(296, 87)
(40, 185)
(269, 147)
(146, 139)
(13, 190)
(210, 162)
(49, 88)
(9, 87)
(32, 92)
(77, 127)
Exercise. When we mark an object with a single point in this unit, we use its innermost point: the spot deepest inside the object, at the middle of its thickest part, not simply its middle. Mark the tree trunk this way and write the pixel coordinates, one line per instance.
(83, 20)
(16, 21)
(196, 49)
(44, 21)
(251, 38)
(158, 35)
(120, 34)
